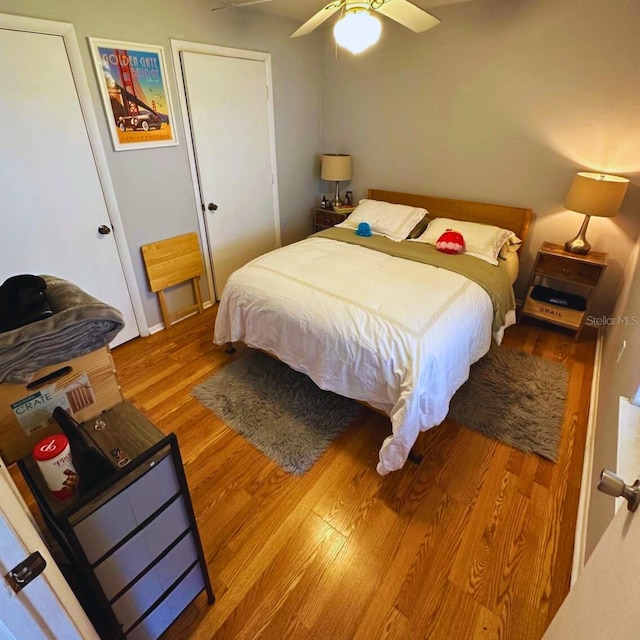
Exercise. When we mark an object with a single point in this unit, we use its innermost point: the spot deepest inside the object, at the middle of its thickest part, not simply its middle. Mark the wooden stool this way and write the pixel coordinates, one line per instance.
(170, 262)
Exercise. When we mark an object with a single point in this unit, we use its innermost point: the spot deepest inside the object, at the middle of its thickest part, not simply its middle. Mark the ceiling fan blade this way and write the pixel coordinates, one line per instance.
(407, 14)
(318, 19)
(237, 5)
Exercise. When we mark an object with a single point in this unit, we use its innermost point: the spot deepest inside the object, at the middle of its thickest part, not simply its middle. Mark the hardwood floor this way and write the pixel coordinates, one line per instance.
(474, 543)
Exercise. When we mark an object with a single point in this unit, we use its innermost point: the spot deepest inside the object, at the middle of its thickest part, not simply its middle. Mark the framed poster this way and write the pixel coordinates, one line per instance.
(133, 85)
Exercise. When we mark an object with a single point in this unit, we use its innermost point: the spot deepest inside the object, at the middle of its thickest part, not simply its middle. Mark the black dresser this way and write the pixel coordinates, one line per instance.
(130, 534)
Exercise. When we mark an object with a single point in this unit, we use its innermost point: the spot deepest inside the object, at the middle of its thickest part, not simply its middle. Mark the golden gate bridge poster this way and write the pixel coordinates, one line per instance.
(133, 86)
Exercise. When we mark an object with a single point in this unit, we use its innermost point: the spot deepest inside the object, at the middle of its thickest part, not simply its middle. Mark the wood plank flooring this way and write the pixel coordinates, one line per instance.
(473, 543)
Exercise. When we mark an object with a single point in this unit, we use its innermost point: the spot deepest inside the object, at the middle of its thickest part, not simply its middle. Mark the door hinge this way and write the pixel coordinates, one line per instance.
(22, 574)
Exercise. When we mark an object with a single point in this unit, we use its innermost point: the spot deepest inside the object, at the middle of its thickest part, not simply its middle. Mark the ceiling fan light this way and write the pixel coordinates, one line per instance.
(357, 31)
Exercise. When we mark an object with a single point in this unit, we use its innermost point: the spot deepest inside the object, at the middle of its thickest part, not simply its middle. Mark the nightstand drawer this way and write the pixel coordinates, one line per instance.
(559, 267)
(328, 218)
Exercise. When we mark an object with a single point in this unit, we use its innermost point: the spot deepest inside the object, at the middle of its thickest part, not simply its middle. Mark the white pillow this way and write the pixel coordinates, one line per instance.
(512, 265)
(512, 245)
(482, 241)
(395, 221)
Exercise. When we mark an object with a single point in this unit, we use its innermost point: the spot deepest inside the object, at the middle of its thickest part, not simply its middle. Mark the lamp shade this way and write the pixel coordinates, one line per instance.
(336, 166)
(596, 194)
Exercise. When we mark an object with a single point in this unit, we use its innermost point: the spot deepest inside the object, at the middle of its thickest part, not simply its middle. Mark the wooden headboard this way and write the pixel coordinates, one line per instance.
(515, 219)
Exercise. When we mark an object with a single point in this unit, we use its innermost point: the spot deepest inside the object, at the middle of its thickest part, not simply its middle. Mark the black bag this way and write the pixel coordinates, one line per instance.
(23, 300)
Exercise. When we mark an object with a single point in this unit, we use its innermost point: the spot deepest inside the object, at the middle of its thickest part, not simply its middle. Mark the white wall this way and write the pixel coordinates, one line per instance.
(153, 186)
(503, 102)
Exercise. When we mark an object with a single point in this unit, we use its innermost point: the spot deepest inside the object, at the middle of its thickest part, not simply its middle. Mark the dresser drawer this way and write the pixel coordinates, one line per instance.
(134, 602)
(556, 266)
(170, 608)
(133, 557)
(112, 521)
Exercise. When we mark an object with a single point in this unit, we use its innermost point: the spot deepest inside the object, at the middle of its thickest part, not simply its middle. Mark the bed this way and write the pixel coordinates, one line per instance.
(395, 325)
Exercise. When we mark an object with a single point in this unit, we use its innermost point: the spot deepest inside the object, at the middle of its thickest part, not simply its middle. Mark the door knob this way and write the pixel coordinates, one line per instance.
(615, 486)
(104, 230)
(212, 207)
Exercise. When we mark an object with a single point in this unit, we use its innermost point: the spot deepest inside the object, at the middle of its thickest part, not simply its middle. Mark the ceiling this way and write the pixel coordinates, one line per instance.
(303, 9)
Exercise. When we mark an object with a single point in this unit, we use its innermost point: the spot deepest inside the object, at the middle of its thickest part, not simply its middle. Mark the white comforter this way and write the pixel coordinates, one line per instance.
(397, 334)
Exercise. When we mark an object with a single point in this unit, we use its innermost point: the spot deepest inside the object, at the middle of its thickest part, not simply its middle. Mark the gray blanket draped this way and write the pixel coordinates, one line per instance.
(80, 324)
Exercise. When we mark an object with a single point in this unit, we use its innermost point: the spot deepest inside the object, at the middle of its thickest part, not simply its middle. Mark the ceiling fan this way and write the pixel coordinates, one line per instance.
(402, 11)
(235, 5)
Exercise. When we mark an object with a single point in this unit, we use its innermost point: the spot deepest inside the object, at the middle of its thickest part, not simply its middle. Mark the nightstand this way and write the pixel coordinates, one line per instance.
(573, 279)
(325, 218)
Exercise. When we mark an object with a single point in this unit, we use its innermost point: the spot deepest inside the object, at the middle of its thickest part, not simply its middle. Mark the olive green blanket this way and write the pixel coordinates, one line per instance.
(493, 279)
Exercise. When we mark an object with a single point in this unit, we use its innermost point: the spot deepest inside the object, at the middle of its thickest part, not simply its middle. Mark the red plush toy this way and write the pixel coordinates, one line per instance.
(450, 242)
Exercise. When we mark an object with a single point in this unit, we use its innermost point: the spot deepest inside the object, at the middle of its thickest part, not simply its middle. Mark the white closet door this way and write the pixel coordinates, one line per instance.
(51, 200)
(228, 110)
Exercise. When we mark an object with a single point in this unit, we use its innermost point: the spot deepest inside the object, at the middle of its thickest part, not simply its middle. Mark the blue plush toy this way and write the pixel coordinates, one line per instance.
(363, 230)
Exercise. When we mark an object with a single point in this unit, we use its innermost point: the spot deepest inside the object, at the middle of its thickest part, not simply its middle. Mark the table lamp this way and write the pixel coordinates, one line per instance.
(336, 167)
(594, 194)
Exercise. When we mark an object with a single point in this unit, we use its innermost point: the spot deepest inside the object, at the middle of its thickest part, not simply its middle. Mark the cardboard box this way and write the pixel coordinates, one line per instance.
(84, 386)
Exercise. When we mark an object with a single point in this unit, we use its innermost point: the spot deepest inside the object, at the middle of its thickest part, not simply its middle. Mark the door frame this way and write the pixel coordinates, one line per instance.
(588, 472)
(177, 47)
(67, 32)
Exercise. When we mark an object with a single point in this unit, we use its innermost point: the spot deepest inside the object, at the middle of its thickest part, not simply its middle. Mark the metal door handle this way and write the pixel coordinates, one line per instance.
(104, 230)
(212, 207)
(615, 486)
(22, 574)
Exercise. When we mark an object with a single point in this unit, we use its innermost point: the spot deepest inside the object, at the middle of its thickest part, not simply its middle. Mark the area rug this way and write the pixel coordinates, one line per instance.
(516, 398)
(511, 396)
(283, 413)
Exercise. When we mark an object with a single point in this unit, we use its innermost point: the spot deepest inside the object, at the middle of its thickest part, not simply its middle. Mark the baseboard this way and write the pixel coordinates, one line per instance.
(160, 326)
(580, 542)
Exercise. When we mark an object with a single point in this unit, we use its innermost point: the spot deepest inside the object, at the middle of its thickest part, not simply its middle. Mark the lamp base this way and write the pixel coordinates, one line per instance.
(579, 244)
(336, 202)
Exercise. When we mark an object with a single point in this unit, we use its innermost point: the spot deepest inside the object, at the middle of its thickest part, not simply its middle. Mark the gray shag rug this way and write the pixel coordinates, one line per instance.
(511, 396)
(283, 413)
(516, 398)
